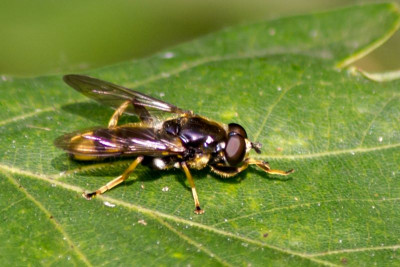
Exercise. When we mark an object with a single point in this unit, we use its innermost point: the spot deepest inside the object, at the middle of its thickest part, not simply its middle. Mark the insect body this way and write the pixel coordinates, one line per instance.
(167, 137)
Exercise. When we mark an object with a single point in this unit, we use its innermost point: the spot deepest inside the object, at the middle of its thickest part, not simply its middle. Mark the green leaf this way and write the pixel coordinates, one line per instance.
(337, 129)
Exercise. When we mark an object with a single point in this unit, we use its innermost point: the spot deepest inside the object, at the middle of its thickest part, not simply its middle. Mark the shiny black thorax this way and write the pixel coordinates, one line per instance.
(197, 134)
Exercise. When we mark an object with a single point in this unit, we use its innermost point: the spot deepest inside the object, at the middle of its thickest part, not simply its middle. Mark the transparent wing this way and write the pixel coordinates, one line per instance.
(120, 141)
(145, 107)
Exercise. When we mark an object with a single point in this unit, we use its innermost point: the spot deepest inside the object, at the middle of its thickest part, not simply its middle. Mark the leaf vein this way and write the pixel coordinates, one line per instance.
(34, 113)
(57, 226)
(374, 119)
(354, 250)
(12, 204)
(271, 108)
(26, 115)
(191, 241)
(301, 205)
(256, 54)
(153, 213)
(330, 153)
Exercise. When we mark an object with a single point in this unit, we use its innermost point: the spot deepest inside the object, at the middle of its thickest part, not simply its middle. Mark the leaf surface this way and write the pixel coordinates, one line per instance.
(337, 129)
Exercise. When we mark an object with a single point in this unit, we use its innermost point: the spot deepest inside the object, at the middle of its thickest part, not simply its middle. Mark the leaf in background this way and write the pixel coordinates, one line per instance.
(339, 130)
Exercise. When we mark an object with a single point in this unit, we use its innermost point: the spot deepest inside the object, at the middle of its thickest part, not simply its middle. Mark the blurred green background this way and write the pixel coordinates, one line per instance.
(49, 36)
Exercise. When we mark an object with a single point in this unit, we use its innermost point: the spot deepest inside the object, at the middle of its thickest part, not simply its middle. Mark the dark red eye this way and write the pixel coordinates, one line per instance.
(235, 128)
(235, 150)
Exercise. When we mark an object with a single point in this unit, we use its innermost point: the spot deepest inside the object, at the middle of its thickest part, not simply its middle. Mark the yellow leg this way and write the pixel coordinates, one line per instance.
(197, 210)
(118, 112)
(265, 166)
(226, 174)
(114, 182)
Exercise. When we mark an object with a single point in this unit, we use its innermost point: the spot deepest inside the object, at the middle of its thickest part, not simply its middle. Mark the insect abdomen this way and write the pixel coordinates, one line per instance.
(87, 147)
(121, 141)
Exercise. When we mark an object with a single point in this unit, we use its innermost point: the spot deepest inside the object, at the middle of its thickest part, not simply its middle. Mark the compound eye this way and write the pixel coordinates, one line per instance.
(235, 150)
(235, 128)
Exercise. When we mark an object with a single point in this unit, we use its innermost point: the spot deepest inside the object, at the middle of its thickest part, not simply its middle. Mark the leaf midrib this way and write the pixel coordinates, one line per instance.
(159, 215)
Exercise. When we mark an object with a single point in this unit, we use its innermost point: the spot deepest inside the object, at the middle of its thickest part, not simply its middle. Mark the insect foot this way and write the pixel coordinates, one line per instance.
(89, 196)
(198, 211)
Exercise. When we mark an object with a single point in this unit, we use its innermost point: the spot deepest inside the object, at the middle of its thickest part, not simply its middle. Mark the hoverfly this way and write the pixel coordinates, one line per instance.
(182, 140)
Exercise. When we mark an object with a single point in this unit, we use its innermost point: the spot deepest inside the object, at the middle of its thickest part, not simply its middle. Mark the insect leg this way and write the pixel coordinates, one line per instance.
(265, 166)
(118, 112)
(227, 172)
(185, 168)
(114, 182)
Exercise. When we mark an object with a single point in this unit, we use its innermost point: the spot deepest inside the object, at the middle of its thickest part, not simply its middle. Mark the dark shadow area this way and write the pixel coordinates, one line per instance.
(91, 111)
(96, 113)
(196, 174)
(152, 175)
(115, 166)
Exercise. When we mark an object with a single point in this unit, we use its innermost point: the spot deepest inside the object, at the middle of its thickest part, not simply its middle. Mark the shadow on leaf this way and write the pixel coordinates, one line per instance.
(96, 113)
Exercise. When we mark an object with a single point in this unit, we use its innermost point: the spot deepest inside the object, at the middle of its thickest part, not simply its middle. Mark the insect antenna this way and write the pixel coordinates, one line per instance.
(256, 147)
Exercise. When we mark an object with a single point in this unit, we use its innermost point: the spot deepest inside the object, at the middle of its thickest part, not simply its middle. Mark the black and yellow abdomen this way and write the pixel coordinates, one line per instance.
(119, 141)
(87, 146)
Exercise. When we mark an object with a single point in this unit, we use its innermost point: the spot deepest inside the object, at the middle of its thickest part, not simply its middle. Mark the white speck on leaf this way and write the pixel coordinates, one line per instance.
(142, 222)
(168, 55)
(380, 139)
(165, 189)
(108, 204)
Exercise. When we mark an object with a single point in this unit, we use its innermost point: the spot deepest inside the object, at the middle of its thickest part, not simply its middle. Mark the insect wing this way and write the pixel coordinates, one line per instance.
(145, 107)
(120, 141)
